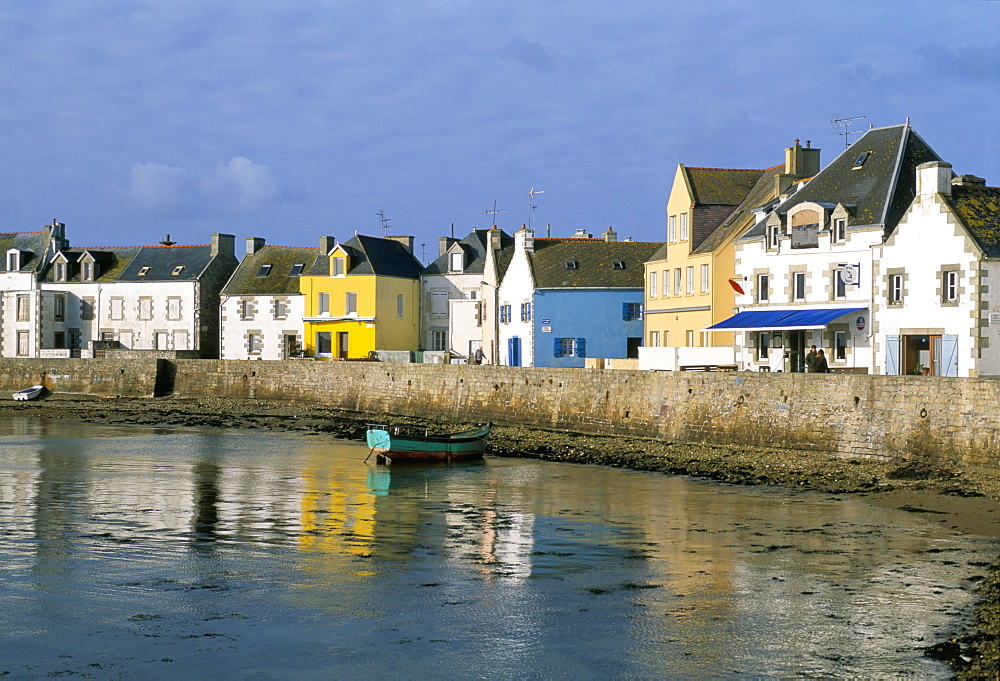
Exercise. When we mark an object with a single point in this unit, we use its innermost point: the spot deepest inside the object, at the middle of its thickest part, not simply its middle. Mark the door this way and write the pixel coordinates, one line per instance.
(796, 342)
(342, 344)
(514, 352)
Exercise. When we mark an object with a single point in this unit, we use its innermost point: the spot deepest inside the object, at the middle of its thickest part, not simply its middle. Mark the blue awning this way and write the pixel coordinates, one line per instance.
(793, 320)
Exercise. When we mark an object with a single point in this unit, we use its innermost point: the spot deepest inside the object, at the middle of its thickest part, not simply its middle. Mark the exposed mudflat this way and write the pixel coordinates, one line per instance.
(963, 498)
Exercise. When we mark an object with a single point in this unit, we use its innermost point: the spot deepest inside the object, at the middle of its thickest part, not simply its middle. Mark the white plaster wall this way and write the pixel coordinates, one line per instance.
(517, 286)
(234, 328)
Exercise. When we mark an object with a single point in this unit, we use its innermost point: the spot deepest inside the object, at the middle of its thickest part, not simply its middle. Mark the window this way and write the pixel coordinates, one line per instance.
(798, 286)
(457, 262)
(689, 276)
(118, 309)
(666, 283)
(839, 230)
(23, 343)
(684, 226)
(654, 339)
(87, 309)
(895, 289)
(60, 309)
(950, 286)
(264, 270)
(840, 345)
(59, 339)
(145, 309)
(351, 302)
(860, 160)
(173, 309)
(618, 264)
(652, 284)
(88, 270)
(323, 303)
(570, 347)
(567, 346)
(324, 343)
(631, 311)
(297, 269)
(763, 281)
(704, 278)
(763, 341)
(439, 340)
(439, 302)
(339, 267)
(525, 312)
(839, 287)
(181, 340)
(177, 270)
(505, 314)
(13, 261)
(399, 305)
(23, 308)
(142, 271)
(255, 343)
(572, 265)
(60, 271)
(246, 309)
(677, 281)
(280, 308)
(672, 228)
(689, 340)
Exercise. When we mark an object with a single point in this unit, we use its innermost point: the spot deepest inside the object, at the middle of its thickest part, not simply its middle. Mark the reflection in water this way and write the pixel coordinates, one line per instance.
(166, 552)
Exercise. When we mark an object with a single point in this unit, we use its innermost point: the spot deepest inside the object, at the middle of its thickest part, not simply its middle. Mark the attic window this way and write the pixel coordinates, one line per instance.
(87, 270)
(572, 265)
(618, 265)
(142, 271)
(297, 269)
(860, 160)
(264, 271)
(178, 270)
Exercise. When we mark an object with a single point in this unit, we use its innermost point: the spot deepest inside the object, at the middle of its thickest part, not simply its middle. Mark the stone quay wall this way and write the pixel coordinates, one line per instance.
(851, 415)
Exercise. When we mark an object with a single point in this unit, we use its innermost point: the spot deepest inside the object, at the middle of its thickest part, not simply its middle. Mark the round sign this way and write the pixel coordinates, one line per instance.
(848, 274)
(860, 323)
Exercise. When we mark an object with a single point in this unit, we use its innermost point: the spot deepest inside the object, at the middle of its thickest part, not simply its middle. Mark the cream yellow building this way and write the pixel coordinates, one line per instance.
(690, 282)
(361, 297)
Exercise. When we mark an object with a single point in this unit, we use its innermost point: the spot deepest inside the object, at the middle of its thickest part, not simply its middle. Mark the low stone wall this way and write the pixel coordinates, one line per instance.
(850, 415)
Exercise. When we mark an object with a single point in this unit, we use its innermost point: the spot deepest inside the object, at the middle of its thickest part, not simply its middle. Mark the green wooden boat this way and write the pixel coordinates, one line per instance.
(399, 444)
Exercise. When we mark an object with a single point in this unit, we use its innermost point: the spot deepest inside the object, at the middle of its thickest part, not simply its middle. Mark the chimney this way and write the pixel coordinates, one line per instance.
(327, 244)
(524, 239)
(968, 181)
(800, 163)
(610, 236)
(494, 239)
(254, 244)
(444, 243)
(224, 245)
(55, 235)
(582, 234)
(934, 178)
(407, 242)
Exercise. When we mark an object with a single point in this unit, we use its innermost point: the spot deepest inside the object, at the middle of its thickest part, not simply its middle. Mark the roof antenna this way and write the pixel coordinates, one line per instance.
(531, 207)
(385, 222)
(166, 240)
(494, 213)
(845, 123)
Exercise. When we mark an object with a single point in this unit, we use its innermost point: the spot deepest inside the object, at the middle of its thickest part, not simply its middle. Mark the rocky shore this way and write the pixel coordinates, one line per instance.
(967, 499)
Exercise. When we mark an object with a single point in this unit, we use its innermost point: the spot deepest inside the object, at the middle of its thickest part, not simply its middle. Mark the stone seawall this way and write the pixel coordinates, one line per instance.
(954, 419)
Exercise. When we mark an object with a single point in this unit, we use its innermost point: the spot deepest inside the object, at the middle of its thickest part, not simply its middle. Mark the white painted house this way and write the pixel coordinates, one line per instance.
(23, 306)
(808, 269)
(938, 300)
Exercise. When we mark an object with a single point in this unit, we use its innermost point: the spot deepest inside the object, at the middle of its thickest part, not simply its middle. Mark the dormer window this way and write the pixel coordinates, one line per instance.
(60, 271)
(13, 260)
(177, 270)
(142, 271)
(572, 265)
(297, 269)
(87, 270)
(264, 271)
(457, 262)
(339, 266)
(773, 233)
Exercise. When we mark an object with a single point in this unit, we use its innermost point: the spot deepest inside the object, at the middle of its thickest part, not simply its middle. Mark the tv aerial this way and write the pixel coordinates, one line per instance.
(494, 212)
(531, 204)
(845, 123)
(384, 222)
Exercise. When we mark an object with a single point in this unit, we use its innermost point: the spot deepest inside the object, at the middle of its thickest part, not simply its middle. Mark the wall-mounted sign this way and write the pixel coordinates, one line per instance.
(546, 321)
(546, 329)
(994, 317)
(851, 274)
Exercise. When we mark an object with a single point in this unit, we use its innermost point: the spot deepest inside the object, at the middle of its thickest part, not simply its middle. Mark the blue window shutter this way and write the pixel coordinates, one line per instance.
(625, 311)
(949, 355)
(581, 347)
(892, 356)
(557, 351)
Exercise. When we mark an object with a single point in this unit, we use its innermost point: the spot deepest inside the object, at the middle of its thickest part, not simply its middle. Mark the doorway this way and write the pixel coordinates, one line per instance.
(795, 342)
(342, 344)
(918, 354)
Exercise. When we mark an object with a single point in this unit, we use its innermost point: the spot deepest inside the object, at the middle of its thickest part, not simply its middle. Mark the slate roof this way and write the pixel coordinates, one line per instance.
(476, 247)
(876, 192)
(31, 243)
(979, 209)
(246, 280)
(163, 261)
(762, 191)
(110, 262)
(716, 192)
(595, 263)
(373, 255)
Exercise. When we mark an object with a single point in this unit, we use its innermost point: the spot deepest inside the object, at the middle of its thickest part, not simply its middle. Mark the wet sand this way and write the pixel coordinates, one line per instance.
(963, 498)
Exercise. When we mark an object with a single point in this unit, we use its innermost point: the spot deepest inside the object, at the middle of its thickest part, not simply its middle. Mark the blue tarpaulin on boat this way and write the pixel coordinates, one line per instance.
(755, 320)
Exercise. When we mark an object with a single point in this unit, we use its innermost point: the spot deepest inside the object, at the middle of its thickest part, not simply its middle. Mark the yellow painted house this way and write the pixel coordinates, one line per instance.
(361, 297)
(688, 281)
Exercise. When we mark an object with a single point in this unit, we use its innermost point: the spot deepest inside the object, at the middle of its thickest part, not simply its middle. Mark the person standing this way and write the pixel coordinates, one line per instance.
(819, 364)
(811, 360)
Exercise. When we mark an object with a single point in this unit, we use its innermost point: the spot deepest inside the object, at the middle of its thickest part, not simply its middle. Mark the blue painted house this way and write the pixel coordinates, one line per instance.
(563, 300)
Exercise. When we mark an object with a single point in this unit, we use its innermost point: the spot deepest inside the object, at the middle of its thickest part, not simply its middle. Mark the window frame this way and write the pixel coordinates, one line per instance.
(798, 286)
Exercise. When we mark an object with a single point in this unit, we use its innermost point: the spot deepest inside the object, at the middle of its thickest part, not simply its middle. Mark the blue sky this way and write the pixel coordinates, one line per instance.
(294, 119)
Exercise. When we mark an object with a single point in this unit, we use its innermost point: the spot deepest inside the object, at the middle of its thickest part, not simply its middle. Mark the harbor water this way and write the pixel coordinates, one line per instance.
(164, 553)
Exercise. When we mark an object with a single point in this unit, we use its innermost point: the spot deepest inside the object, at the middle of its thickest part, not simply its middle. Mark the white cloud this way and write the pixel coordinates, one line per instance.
(242, 185)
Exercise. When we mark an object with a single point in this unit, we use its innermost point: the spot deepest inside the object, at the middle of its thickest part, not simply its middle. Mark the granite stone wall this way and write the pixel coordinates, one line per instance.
(848, 414)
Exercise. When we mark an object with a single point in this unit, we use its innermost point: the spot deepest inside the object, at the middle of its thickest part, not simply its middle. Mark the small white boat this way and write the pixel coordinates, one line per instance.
(28, 393)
